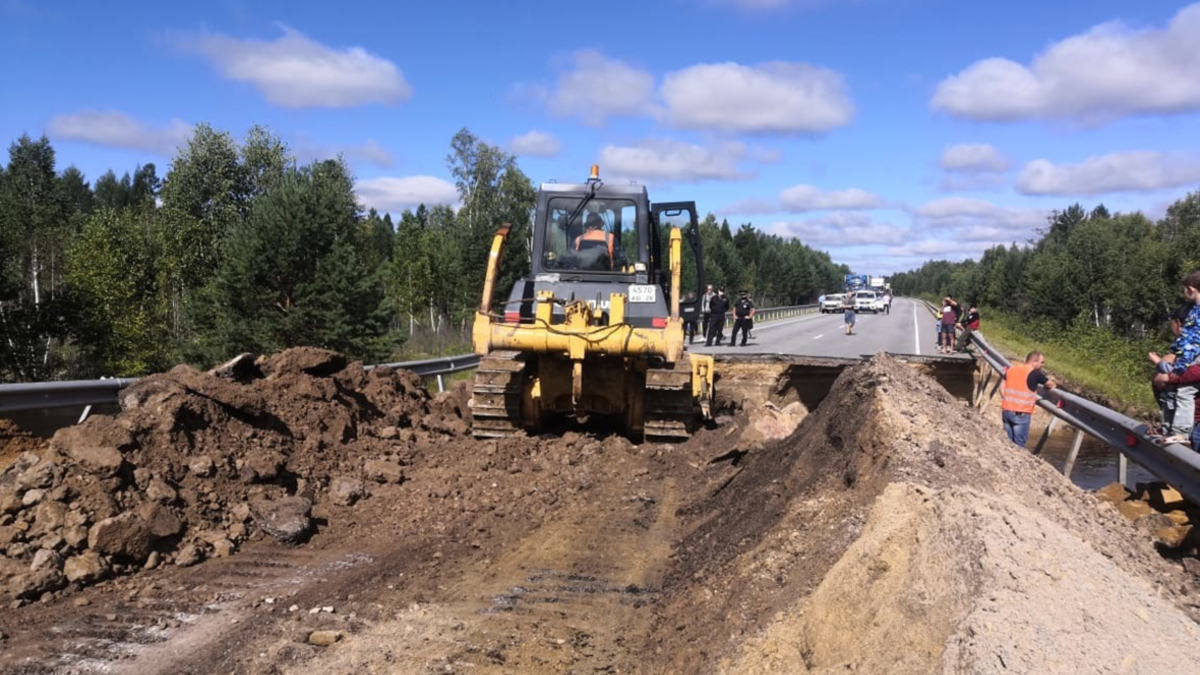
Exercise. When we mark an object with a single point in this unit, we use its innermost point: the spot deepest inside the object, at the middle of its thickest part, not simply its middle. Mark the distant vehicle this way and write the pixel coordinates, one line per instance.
(832, 303)
(866, 301)
(882, 301)
(855, 282)
(878, 283)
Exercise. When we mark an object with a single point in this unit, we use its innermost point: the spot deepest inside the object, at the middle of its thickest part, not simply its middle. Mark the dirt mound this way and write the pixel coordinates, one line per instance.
(14, 440)
(197, 463)
(897, 531)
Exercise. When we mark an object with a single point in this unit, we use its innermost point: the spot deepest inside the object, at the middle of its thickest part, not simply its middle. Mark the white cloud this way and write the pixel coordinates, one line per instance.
(973, 157)
(1135, 171)
(970, 182)
(596, 87)
(955, 207)
(535, 144)
(368, 152)
(392, 195)
(842, 228)
(749, 207)
(295, 71)
(1110, 71)
(669, 160)
(800, 198)
(976, 223)
(771, 98)
(118, 130)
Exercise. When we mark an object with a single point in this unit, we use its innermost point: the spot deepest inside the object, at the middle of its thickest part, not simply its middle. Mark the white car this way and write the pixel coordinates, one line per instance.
(866, 301)
(882, 302)
(832, 303)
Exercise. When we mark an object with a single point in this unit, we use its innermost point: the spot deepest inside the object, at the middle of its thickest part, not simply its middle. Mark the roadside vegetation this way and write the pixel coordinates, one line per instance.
(1094, 291)
(241, 248)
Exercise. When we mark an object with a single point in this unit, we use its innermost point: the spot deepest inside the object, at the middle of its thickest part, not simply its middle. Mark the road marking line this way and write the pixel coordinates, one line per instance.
(786, 322)
(819, 336)
(916, 330)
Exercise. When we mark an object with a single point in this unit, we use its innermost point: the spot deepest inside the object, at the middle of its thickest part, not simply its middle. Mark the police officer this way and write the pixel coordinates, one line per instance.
(717, 307)
(743, 311)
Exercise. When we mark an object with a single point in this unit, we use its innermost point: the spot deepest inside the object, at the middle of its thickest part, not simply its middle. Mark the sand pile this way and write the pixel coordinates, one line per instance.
(198, 462)
(898, 531)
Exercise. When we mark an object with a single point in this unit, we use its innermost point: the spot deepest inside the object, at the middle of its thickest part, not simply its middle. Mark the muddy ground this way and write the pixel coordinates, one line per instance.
(893, 530)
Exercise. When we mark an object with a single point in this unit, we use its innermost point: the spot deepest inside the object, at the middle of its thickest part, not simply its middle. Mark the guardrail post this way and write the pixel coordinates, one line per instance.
(441, 387)
(1045, 436)
(992, 395)
(1122, 468)
(1075, 445)
(983, 383)
(86, 411)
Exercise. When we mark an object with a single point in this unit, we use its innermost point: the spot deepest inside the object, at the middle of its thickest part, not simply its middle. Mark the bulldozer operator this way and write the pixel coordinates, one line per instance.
(595, 243)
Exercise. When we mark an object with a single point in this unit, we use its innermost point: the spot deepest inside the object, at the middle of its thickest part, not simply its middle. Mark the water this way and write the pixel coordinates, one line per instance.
(1096, 465)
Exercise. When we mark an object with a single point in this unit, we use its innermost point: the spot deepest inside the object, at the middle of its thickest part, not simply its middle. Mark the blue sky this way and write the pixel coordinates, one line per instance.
(887, 132)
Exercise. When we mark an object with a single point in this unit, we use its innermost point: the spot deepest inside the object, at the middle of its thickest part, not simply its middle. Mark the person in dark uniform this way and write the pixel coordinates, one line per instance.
(717, 307)
(743, 311)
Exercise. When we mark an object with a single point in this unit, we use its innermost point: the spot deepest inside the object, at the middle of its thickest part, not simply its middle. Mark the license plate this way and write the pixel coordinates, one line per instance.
(642, 293)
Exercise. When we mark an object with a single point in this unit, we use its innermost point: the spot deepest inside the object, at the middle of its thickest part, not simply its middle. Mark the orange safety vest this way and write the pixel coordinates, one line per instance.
(1016, 394)
(596, 235)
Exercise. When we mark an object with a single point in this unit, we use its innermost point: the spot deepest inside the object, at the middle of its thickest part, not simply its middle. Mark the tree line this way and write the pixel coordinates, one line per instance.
(239, 247)
(1085, 271)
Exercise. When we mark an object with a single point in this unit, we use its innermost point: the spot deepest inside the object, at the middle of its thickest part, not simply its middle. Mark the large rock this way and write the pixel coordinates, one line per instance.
(45, 558)
(49, 517)
(33, 584)
(287, 519)
(344, 491)
(96, 445)
(769, 423)
(85, 567)
(262, 466)
(38, 476)
(160, 520)
(159, 491)
(125, 535)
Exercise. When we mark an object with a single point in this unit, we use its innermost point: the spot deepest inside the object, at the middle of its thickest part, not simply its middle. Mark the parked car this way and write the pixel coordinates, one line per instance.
(832, 303)
(866, 301)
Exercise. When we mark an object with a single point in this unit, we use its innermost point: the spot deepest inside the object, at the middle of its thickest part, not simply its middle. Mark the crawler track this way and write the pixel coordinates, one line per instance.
(496, 393)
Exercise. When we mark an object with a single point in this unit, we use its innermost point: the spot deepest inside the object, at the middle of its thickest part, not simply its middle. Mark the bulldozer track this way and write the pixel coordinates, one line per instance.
(670, 411)
(496, 394)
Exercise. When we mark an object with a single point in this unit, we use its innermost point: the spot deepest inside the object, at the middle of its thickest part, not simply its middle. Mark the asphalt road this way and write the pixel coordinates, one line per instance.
(908, 329)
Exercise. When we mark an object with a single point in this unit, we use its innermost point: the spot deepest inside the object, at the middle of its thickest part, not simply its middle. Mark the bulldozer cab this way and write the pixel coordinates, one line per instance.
(592, 235)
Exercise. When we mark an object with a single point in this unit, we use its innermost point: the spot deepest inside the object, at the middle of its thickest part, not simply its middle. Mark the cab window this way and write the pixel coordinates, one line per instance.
(595, 239)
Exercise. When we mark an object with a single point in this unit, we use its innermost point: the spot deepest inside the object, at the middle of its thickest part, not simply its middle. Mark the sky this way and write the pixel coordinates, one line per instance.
(887, 132)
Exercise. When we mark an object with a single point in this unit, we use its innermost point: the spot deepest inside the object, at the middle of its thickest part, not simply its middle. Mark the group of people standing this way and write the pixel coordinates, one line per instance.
(953, 323)
(1177, 373)
(714, 307)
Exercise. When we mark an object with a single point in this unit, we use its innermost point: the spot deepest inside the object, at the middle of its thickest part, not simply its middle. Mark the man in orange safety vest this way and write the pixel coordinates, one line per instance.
(594, 235)
(1019, 393)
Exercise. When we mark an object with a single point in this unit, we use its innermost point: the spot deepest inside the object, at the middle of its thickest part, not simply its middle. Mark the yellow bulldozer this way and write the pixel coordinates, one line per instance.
(593, 334)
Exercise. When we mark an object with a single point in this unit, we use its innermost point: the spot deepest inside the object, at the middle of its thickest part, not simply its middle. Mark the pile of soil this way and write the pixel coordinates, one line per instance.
(898, 531)
(197, 463)
(14, 441)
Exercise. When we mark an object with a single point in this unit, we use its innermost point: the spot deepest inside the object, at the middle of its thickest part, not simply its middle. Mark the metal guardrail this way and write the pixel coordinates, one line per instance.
(773, 313)
(65, 394)
(1174, 463)
(82, 393)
